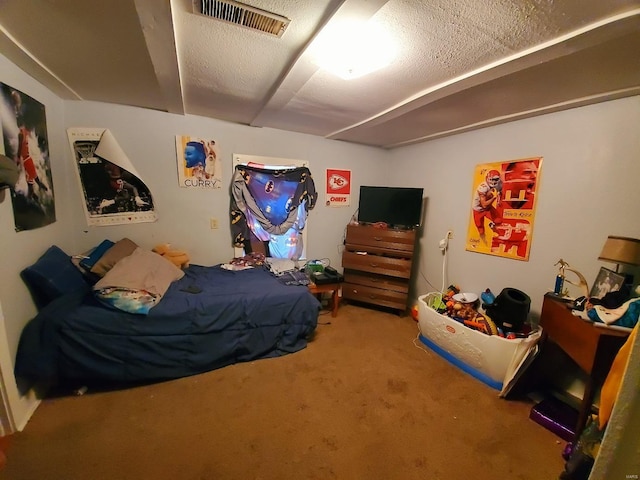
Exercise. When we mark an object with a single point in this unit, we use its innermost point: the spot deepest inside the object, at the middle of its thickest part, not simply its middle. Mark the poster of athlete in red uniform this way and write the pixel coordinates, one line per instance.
(503, 208)
(24, 134)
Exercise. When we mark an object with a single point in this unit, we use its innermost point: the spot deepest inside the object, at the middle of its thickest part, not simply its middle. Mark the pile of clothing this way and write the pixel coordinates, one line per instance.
(615, 308)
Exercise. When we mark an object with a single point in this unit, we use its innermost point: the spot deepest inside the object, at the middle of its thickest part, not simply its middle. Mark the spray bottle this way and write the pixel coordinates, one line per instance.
(560, 277)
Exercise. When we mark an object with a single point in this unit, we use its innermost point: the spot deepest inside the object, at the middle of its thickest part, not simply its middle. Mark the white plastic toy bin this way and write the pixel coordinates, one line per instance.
(486, 357)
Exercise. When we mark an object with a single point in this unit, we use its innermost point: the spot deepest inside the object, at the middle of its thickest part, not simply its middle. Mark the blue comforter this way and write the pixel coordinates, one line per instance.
(210, 318)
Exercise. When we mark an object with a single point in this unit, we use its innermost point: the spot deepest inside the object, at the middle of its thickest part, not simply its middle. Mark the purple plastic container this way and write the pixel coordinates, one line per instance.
(556, 416)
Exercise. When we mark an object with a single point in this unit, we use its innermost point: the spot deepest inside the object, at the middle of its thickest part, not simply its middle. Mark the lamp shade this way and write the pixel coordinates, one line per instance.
(621, 250)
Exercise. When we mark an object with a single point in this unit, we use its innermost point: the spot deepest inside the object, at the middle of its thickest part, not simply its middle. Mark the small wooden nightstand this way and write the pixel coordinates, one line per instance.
(334, 288)
(592, 348)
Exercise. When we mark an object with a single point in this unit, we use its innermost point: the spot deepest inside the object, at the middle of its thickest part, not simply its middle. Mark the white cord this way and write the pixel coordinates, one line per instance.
(421, 346)
(434, 288)
(444, 270)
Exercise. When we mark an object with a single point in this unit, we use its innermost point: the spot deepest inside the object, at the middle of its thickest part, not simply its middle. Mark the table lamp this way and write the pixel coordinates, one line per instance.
(621, 250)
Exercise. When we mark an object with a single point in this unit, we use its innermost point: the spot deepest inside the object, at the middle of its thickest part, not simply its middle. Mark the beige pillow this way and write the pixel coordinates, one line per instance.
(120, 250)
(142, 270)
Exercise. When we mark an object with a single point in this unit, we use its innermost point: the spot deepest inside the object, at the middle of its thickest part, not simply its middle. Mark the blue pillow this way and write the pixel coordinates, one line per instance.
(95, 255)
(52, 276)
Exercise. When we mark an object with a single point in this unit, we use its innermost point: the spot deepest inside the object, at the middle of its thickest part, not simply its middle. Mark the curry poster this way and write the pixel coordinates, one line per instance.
(198, 163)
(503, 207)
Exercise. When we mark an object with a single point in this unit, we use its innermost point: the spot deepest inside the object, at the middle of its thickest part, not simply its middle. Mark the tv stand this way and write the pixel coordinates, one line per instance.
(377, 265)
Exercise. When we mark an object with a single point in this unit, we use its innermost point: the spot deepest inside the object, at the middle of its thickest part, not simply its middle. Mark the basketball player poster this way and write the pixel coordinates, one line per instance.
(198, 163)
(113, 191)
(25, 141)
(503, 208)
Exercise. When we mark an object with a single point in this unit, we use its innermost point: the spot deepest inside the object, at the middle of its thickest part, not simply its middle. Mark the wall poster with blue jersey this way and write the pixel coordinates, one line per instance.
(199, 163)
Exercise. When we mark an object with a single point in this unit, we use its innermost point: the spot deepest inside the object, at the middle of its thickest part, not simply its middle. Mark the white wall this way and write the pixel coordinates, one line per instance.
(148, 139)
(588, 189)
(23, 248)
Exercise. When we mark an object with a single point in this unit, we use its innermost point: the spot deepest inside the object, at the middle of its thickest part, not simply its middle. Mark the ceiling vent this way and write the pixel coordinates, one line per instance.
(243, 15)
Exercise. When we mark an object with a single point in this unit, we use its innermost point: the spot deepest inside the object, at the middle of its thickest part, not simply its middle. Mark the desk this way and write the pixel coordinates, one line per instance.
(318, 290)
(592, 348)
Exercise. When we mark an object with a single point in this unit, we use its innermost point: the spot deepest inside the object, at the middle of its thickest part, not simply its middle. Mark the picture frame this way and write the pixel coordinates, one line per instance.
(606, 281)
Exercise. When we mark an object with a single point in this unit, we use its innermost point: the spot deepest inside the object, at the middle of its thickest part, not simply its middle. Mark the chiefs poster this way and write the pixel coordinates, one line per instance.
(503, 206)
(338, 193)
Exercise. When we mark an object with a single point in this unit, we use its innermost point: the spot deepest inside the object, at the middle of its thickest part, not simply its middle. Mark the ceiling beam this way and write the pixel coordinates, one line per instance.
(158, 28)
(557, 107)
(28, 62)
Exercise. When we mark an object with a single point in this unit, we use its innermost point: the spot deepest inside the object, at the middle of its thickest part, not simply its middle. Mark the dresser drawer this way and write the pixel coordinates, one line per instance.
(377, 240)
(377, 281)
(377, 296)
(395, 267)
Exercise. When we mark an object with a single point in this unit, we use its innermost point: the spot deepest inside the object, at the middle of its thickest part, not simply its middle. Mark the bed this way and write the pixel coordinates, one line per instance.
(209, 318)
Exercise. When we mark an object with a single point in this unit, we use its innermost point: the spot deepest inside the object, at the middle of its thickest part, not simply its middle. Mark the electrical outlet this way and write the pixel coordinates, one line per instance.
(214, 223)
(444, 243)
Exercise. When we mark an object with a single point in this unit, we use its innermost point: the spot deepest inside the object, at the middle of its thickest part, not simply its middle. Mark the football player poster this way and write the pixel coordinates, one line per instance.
(25, 141)
(503, 206)
(338, 193)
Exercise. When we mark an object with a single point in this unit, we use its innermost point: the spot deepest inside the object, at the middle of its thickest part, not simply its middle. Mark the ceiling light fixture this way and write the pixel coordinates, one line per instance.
(351, 50)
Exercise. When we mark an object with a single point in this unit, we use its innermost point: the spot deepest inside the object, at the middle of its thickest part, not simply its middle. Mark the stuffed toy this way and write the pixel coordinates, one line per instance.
(179, 258)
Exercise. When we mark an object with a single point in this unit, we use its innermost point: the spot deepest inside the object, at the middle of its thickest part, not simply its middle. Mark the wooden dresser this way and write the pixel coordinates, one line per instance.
(377, 265)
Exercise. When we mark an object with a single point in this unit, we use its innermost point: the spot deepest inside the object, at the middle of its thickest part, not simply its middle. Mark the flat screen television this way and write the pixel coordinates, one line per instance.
(399, 207)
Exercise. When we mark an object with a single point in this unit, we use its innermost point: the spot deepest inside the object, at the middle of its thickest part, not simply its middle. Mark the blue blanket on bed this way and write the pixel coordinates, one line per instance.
(210, 318)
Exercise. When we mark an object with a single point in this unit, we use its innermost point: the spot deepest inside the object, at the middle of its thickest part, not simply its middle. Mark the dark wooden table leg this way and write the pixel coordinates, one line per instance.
(585, 408)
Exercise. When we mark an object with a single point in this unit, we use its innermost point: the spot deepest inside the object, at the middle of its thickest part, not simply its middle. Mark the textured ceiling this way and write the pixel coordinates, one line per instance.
(461, 65)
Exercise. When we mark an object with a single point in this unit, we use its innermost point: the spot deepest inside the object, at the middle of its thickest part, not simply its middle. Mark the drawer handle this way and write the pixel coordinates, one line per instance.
(373, 264)
(377, 239)
(372, 296)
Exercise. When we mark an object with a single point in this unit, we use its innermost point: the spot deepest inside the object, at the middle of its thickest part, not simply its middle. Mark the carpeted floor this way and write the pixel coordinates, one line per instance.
(363, 401)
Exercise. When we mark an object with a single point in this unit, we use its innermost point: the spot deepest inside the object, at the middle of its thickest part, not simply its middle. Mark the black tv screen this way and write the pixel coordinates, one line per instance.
(395, 206)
